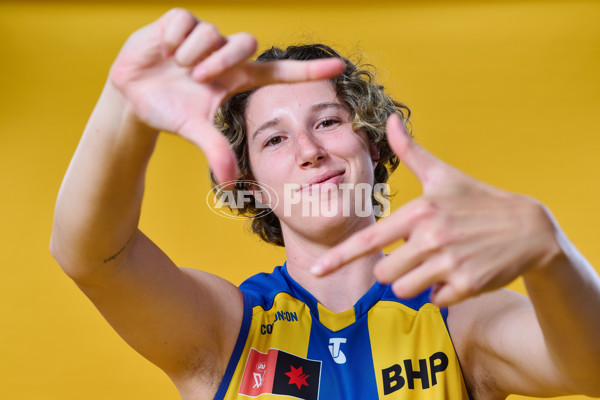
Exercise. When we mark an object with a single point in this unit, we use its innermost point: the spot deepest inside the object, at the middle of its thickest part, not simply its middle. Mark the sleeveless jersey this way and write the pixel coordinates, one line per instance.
(290, 346)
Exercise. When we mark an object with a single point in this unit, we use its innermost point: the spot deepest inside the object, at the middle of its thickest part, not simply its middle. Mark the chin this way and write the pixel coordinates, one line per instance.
(325, 229)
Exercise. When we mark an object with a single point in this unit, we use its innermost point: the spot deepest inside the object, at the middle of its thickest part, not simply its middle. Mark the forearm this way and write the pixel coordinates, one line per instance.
(566, 297)
(98, 205)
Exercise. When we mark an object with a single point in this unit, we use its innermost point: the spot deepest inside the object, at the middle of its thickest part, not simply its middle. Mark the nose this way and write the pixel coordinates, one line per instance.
(310, 151)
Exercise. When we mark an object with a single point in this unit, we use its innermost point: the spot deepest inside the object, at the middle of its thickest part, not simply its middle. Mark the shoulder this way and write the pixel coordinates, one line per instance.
(264, 281)
(485, 308)
(262, 288)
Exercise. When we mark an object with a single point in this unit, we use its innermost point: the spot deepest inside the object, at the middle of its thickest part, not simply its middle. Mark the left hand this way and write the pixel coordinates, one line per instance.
(176, 72)
(462, 237)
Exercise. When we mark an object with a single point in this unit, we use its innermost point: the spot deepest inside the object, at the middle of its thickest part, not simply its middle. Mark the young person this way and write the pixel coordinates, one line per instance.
(320, 326)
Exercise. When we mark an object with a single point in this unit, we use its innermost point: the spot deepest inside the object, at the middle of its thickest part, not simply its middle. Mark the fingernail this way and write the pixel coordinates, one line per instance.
(319, 267)
(379, 273)
(200, 73)
(316, 269)
(397, 288)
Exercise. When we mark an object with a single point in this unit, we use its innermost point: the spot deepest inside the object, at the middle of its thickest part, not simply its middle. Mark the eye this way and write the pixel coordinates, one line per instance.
(273, 141)
(328, 122)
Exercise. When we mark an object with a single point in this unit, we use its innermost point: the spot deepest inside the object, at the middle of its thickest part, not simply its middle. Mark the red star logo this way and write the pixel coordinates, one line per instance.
(297, 377)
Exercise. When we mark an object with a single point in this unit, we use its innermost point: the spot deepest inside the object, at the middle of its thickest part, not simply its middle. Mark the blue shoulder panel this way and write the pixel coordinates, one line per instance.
(262, 288)
(237, 350)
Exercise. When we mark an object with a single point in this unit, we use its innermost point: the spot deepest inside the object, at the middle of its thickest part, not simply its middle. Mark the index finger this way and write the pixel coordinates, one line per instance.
(371, 239)
(292, 71)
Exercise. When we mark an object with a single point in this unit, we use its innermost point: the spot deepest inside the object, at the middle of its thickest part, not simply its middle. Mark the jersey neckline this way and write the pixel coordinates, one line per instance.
(335, 321)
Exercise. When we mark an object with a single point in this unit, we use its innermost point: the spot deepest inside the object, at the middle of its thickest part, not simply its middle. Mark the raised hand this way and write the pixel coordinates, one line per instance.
(177, 71)
(462, 237)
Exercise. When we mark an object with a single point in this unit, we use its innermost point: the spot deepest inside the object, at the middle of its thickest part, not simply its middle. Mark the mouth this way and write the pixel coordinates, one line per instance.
(333, 177)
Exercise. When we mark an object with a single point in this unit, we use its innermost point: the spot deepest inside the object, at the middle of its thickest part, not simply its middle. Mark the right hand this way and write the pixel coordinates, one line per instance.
(176, 72)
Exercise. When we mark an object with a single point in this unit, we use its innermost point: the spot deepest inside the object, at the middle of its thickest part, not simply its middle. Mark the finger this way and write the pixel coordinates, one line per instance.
(445, 295)
(178, 23)
(373, 238)
(431, 272)
(400, 262)
(291, 71)
(239, 47)
(219, 154)
(255, 74)
(422, 163)
(199, 44)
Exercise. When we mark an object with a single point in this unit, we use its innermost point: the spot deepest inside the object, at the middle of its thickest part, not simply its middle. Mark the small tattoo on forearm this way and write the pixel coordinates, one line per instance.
(118, 252)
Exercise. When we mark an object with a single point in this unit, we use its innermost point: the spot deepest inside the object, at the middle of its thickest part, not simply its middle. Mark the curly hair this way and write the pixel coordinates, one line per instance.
(356, 88)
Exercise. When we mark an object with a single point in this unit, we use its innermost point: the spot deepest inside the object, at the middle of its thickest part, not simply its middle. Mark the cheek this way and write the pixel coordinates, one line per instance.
(270, 169)
(358, 148)
(350, 142)
(271, 175)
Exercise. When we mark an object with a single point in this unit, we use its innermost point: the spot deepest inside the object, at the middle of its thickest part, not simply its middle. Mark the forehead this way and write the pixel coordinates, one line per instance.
(272, 101)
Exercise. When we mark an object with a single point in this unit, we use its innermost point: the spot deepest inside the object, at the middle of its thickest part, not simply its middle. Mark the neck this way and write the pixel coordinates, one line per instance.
(341, 289)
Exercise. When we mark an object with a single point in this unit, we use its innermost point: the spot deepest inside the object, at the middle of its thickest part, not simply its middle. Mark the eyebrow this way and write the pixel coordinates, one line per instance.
(323, 106)
(314, 108)
(270, 123)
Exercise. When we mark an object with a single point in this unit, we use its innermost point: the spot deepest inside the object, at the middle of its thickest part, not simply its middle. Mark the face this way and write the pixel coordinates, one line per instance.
(301, 144)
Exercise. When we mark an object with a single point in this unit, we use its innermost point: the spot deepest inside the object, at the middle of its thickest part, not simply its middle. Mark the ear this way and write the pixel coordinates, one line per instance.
(249, 182)
(257, 191)
(375, 153)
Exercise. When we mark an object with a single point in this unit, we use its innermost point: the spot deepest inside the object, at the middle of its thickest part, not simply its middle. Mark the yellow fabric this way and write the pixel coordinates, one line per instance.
(415, 335)
(284, 337)
(336, 321)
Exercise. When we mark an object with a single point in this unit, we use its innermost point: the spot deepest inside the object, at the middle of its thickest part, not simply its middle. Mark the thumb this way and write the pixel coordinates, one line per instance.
(219, 154)
(421, 162)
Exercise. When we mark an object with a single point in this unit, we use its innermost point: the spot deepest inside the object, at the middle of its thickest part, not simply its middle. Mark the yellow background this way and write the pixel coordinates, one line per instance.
(507, 91)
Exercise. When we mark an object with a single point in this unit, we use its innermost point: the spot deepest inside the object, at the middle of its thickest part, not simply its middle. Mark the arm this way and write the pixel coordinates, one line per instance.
(96, 240)
(566, 295)
(546, 345)
(170, 76)
(464, 239)
(135, 286)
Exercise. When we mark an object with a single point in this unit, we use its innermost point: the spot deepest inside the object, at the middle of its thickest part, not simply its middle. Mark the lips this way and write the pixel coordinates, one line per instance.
(333, 176)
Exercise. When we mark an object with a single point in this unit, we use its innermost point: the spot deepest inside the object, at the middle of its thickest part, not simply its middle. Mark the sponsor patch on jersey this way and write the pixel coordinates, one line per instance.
(280, 373)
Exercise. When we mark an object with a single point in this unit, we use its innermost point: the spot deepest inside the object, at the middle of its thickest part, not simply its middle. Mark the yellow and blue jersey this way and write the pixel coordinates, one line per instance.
(383, 348)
